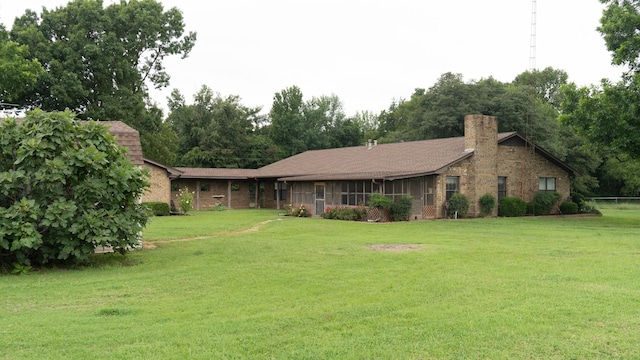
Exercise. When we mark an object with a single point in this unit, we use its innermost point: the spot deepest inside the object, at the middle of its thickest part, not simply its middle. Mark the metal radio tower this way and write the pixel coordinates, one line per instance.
(532, 45)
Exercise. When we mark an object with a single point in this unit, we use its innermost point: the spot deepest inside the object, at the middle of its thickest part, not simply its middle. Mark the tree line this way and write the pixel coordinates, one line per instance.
(100, 62)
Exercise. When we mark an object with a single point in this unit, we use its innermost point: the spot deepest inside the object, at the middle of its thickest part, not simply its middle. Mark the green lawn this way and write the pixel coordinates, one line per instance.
(253, 284)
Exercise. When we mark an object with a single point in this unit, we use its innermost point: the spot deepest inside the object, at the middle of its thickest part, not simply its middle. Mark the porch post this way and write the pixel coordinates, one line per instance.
(229, 194)
(197, 194)
(276, 187)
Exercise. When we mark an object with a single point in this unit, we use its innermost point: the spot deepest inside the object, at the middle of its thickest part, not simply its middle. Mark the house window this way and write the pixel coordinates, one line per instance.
(502, 187)
(205, 187)
(453, 185)
(356, 192)
(174, 186)
(282, 187)
(547, 184)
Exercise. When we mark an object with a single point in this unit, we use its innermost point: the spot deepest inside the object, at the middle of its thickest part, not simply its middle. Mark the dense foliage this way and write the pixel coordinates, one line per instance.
(19, 73)
(401, 208)
(158, 208)
(487, 204)
(351, 213)
(100, 61)
(543, 202)
(512, 207)
(568, 208)
(65, 188)
(458, 206)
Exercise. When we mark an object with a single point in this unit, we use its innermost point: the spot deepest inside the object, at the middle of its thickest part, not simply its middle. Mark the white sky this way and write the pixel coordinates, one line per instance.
(370, 52)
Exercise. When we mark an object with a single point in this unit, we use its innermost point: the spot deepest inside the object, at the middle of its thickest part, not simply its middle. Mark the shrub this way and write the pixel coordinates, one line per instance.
(380, 201)
(185, 200)
(158, 208)
(65, 188)
(512, 207)
(568, 208)
(487, 204)
(543, 202)
(300, 211)
(345, 213)
(579, 200)
(458, 204)
(401, 208)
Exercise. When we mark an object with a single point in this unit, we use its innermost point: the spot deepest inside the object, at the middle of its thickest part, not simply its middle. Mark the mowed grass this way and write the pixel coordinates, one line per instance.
(254, 285)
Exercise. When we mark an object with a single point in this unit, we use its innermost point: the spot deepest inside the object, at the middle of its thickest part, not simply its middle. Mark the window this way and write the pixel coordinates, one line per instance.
(356, 192)
(547, 184)
(502, 187)
(282, 187)
(205, 187)
(453, 185)
(174, 186)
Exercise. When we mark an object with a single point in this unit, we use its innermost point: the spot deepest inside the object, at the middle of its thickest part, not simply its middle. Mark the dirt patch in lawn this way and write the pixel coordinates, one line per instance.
(394, 247)
(151, 244)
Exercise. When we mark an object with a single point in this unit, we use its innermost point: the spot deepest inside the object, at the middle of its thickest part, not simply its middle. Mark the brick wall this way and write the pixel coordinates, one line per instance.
(160, 189)
(481, 135)
(233, 194)
(523, 168)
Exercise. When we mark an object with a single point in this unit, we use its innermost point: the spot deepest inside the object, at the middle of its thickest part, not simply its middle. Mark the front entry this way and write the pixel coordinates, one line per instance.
(319, 209)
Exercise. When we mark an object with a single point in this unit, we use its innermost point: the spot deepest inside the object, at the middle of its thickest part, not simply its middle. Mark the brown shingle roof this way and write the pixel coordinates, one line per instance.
(172, 172)
(125, 136)
(128, 137)
(216, 173)
(384, 161)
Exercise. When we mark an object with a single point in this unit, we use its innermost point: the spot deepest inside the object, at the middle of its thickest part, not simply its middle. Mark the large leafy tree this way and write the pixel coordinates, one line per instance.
(100, 61)
(608, 114)
(287, 127)
(218, 131)
(65, 188)
(18, 73)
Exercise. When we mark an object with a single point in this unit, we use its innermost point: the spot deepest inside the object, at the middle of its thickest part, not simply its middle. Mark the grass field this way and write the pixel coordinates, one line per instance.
(254, 285)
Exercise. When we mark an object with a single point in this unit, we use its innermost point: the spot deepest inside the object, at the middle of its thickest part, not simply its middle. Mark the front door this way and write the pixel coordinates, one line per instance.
(319, 200)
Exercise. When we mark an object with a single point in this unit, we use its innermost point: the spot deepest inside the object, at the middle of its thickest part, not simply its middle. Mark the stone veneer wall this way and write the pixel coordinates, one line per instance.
(481, 135)
(160, 188)
(523, 168)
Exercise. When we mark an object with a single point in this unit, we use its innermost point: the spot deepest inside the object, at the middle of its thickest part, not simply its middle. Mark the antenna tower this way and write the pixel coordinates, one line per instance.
(532, 43)
(528, 126)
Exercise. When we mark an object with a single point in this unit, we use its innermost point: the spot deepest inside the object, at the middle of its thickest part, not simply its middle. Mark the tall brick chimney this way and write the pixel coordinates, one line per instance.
(481, 137)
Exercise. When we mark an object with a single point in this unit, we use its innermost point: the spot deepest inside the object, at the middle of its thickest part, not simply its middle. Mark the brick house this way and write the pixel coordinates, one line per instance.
(430, 171)
(160, 177)
(232, 188)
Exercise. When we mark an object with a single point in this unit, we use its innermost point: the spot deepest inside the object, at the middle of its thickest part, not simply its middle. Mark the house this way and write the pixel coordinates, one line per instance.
(211, 187)
(128, 137)
(430, 171)
(160, 177)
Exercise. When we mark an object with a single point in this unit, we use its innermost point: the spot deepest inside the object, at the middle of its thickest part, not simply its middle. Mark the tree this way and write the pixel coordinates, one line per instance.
(18, 73)
(65, 188)
(608, 114)
(546, 84)
(99, 61)
(287, 121)
(218, 132)
(619, 26)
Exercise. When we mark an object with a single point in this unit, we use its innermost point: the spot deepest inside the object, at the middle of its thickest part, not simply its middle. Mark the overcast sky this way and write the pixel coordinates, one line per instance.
(370, 52)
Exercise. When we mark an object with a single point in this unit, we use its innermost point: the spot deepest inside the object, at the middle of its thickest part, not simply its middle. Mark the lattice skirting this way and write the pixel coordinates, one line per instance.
(377, 214)
(429, 212)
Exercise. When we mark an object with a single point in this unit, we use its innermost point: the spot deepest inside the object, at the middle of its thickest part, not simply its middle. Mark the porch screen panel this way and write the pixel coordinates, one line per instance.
(303, 193)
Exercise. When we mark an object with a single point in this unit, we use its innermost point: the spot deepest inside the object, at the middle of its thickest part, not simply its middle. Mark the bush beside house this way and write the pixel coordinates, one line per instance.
(66, 187)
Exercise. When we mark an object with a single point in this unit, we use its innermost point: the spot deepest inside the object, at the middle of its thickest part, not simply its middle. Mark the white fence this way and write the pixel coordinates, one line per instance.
(615, 199)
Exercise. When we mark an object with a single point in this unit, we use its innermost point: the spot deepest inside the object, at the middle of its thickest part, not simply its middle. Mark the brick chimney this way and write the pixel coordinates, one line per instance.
(481, 137)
